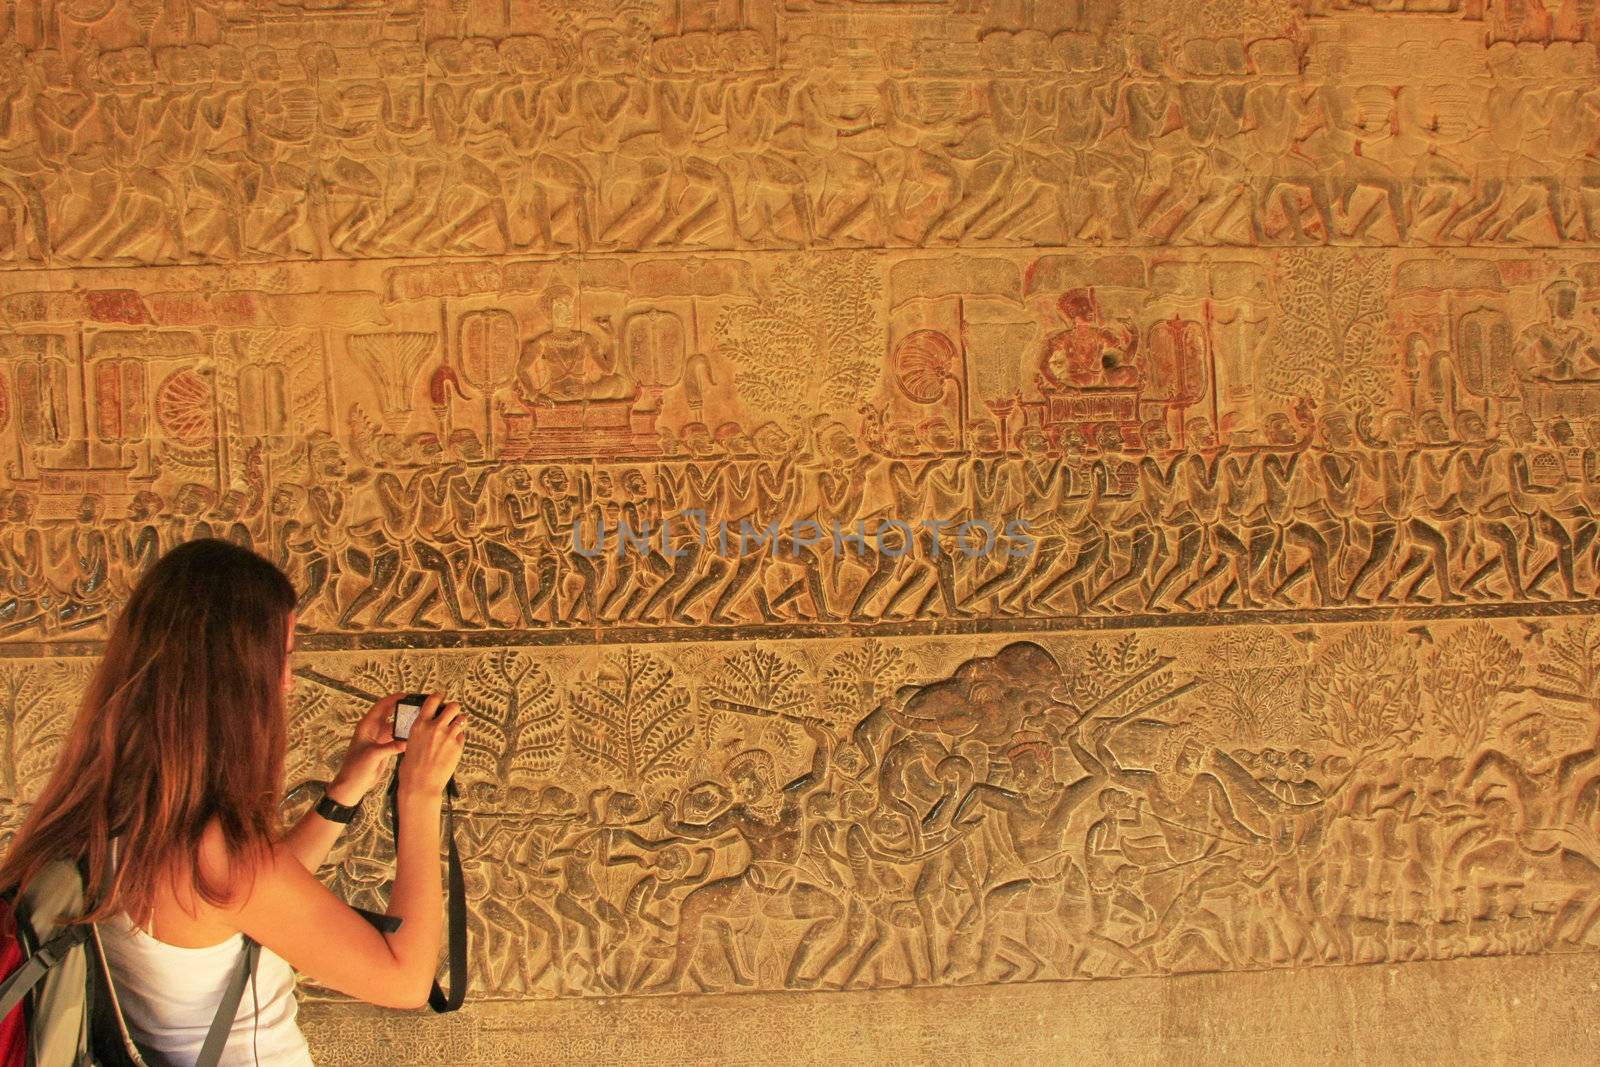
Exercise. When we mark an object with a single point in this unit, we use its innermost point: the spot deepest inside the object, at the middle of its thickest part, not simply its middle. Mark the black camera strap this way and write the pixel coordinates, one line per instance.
(455, 903)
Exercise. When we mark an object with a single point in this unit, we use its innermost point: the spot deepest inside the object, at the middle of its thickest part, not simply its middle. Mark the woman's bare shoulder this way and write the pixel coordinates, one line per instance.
(235, 874)
(183, 915)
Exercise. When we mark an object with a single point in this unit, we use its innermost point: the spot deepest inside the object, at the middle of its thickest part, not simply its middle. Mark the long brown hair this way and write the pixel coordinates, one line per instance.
(182, 723)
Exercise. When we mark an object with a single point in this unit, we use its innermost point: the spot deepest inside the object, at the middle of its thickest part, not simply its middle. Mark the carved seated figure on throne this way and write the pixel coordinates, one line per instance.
(1089, 351)
(565, 364)
(573, 395)
(1088, 375)
(1560, 349)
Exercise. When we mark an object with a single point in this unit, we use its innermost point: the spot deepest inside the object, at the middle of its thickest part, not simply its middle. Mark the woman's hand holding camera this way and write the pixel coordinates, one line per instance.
(372, 746)
(434, 748)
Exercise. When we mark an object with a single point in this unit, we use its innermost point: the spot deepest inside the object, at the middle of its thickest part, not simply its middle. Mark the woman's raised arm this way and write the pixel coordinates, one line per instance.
(288, 911)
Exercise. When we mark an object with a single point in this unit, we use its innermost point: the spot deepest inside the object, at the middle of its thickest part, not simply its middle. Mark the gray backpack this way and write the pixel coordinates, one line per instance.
(58, 1004)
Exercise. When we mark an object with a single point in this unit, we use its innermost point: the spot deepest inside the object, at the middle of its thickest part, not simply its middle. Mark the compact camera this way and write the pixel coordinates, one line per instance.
(406, 711)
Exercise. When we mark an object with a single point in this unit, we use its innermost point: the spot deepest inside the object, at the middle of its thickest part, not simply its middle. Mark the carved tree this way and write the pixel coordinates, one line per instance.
(308, 384)
(1570, 672)
(397, 674)
(1112, 665)
(862, 675)
(309, 757)
(35, 711)
(1468, 675)
(1364, 691)
(1254, 685)
(632, 720)
(1329, 330)
(1119, 678)
(518, 731)
(756, 682)
(810, 345)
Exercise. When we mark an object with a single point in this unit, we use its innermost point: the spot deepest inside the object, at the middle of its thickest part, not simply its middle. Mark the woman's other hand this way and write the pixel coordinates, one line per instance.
(434, 748)
(372, 746)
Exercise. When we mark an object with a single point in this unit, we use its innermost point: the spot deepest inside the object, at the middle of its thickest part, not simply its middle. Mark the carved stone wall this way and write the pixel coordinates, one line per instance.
(914, 494)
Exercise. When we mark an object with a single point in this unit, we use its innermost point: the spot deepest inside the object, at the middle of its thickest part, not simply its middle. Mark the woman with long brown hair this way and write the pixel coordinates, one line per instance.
(169, 788)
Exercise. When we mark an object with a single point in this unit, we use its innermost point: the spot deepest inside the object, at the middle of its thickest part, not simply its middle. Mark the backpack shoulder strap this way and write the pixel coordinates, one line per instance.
(22, 980)
(222, 1022)
(243, 975)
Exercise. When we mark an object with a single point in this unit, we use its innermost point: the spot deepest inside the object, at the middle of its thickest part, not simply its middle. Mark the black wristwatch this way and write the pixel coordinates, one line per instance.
(334, 811)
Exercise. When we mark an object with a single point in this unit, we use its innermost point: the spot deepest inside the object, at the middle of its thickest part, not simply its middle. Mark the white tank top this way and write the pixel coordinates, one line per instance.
(169, 995)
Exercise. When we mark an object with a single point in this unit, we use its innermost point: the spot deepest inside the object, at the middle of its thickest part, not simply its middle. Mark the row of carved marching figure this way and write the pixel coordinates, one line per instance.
(510, 165)
(782, 536)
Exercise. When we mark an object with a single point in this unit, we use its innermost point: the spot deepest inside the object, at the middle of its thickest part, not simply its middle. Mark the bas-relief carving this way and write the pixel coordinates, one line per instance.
(850, 814)
(260, 132)
(855, 814)
(403, 293)
(460, 446)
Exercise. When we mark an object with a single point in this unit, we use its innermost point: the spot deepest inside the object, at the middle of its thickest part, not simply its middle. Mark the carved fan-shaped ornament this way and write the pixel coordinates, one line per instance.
(923, 361)
(392, 360)
(183, 407)
(147, 13)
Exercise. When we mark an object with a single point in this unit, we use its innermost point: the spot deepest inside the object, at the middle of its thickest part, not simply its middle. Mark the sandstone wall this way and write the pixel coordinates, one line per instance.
(1247, 353)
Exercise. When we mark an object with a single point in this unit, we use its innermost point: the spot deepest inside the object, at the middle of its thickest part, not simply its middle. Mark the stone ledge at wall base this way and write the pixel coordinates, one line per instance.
(1501, 1010)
